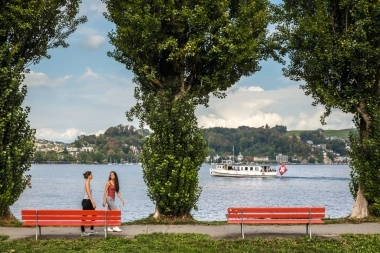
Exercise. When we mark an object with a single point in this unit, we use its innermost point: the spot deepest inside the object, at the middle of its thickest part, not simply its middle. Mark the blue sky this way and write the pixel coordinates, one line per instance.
(81, 90)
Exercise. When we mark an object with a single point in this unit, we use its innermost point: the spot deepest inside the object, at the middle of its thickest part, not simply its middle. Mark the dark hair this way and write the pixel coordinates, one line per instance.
(87, 174)
(116, 181)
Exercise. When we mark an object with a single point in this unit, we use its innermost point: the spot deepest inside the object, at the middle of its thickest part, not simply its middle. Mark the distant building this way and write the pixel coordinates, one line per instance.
(282, 158)
(260, 158)
(73, 151)
(87, 149)
(240, 157)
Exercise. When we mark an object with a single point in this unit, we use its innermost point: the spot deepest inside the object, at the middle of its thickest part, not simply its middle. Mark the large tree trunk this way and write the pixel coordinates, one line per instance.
(7, 217)
(156, 214)
(361, 206)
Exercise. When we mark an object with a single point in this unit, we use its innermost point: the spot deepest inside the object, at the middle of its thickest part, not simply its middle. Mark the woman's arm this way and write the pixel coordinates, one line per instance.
(121, 198)
(87, 187)
(105, 192)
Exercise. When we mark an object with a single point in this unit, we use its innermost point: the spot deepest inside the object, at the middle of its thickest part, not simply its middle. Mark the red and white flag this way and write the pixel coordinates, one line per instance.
(282, 169)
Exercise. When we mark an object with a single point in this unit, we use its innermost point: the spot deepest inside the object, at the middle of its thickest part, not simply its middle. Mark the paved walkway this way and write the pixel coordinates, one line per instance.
(215, 231)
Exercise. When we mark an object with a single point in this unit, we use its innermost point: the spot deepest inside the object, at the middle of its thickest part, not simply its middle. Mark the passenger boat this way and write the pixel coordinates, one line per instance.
(229, 169)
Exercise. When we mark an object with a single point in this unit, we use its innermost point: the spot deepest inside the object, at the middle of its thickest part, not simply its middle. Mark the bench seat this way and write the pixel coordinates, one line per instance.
(276, 215)
(70, 218)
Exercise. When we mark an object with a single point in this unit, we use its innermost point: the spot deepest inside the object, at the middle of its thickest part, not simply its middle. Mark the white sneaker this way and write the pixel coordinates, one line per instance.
(117, 229)
(93, 232)
(85, 233)
(108, 230)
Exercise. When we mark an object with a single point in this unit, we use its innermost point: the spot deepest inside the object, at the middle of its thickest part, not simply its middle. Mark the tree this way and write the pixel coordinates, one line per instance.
(182, 51)
(28, 29)
(334, 46)
(172, 156)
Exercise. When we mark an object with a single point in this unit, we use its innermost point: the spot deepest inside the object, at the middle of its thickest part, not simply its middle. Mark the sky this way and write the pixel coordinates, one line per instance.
(82, 91)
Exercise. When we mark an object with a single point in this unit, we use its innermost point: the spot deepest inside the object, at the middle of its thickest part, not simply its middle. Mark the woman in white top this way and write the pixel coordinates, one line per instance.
(88, 202)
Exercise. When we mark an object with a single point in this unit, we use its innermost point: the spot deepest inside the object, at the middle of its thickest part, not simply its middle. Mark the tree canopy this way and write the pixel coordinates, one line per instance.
(180, 53)
(198, 47)
(28, 29)
(334, 46)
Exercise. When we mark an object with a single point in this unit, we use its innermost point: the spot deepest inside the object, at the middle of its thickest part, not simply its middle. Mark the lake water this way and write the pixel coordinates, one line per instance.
(61, 187)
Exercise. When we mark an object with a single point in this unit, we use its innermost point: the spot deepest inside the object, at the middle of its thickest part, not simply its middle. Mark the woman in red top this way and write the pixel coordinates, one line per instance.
(110, 190)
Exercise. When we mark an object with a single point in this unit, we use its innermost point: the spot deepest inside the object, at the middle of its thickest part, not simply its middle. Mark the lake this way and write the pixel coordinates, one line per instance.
(61, 187)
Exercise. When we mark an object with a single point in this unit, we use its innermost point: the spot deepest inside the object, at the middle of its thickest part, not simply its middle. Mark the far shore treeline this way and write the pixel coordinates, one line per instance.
(122, 144)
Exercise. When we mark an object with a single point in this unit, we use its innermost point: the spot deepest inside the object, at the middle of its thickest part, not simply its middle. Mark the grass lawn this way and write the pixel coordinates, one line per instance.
(159, 242)
(195, 243)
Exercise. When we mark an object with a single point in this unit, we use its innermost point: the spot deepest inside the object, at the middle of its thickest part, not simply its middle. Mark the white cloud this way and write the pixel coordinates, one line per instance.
(85, 30)
(50, 134)
(93, 9)
(36, 79)
(254, 107)
(94, 41)
(250, 89)
(98, 133)
(89, 75)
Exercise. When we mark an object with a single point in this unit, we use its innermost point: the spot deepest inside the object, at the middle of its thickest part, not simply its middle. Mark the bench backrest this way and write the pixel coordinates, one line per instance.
(276, 212)
(108, 216)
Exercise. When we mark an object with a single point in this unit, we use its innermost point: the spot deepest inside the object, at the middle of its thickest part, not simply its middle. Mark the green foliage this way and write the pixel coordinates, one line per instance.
(342, 133)
(334, 46)
(180, 52)
(365, 159)
(27, 30)
(172, 156)
(17, 139)
(198, 47)
(268, 141)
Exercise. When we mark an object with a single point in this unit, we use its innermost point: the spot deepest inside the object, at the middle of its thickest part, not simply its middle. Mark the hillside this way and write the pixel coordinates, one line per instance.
(343, 133)
(122, 144)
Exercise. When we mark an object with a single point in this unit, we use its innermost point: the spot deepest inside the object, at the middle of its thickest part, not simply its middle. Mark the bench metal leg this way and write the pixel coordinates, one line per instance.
(242, 230)
(308, 229)
(38, 231)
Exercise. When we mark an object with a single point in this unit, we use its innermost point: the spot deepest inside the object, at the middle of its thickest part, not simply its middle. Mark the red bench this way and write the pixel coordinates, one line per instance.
(70, 218)
(276, 215)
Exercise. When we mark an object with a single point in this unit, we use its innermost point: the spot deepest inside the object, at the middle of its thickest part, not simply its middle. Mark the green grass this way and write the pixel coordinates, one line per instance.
(343, 133)
(180, 243)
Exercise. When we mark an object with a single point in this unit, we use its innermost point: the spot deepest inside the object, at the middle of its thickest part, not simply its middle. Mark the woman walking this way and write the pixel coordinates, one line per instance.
(88, 202)
(110, 190)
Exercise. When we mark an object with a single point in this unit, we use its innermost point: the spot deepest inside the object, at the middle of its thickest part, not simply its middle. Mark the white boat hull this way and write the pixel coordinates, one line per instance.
(228, 169)
(235, 173)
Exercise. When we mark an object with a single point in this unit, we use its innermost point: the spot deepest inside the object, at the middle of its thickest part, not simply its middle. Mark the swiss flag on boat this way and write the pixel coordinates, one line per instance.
(282, 169)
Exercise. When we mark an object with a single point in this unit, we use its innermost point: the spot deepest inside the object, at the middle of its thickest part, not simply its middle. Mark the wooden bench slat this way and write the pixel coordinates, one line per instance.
(277, 221)
(277, 209)
(71, 212)
(71, 217)
(70, 223)
(276, 215)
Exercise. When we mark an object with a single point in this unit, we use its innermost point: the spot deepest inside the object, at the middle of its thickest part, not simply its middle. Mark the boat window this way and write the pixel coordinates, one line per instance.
(257, 168)
(251, 168)
(246, 168)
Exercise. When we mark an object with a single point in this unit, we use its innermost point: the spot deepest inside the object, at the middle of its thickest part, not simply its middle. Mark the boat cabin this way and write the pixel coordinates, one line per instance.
(228, 165)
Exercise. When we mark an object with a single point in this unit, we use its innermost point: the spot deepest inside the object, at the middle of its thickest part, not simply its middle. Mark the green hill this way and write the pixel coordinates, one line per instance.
(343, 133)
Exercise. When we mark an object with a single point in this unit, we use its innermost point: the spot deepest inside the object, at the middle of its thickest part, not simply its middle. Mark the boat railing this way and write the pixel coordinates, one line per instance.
(227, 162)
